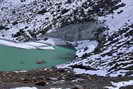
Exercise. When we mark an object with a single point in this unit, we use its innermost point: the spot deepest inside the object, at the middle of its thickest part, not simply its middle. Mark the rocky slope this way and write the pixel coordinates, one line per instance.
(114, 55)
(58, 78)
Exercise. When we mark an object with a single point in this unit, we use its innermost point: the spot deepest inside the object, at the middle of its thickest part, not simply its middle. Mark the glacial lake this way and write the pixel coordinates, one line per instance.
(15, 59)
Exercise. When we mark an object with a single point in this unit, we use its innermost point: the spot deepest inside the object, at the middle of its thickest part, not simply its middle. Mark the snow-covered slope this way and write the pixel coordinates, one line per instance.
(27, 19)
(31, 19)
(114, 58)
(119, 85)
(115, 54)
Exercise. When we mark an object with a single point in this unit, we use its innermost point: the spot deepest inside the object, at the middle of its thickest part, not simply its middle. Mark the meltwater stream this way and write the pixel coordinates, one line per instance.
(14, 59)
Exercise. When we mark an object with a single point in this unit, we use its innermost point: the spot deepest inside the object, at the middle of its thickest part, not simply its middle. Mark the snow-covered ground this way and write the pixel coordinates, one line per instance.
(85, 47)
(118, 85)
(24, 88)
(116, 21)
(27, 45)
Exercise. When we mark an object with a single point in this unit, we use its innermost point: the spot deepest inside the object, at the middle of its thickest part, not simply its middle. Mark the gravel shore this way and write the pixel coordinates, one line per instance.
(56, 78)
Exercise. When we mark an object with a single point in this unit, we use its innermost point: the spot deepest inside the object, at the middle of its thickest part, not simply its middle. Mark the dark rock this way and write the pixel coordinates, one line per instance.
(42, 11)
(26, 27)
(40, 62)
(75, 88)
(3, 35)
(69, 1)
(13, 12)
(85, 49)
(85, 55)
(64, 11)
(14, 23)
(18, 33)
(45, 38)
(120, 12)
(22, 0)
(82, 67)
(2, 27)
(41, 83)
(61, 70)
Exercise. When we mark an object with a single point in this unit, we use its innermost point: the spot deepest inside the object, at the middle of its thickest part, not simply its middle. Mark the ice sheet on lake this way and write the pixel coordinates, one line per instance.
(26, 45)
(25, 88)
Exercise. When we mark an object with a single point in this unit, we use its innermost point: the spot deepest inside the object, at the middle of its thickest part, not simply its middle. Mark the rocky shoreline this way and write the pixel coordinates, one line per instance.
(55, 78)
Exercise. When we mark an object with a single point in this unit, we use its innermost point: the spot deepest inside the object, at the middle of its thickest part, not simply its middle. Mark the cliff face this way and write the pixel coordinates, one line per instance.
(76, 32)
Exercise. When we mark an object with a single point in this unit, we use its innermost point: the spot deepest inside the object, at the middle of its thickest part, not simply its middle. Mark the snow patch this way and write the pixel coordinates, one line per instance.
(25, 88)
(118, 85)
(85, 46)
(26, 45)
(115, 21)
(91, 72)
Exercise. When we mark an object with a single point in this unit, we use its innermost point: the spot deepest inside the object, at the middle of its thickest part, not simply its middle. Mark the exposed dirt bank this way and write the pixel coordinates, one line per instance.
(55, 78)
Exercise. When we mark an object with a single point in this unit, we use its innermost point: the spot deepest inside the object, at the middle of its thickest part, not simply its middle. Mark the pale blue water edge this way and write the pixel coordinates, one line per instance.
(14, 59)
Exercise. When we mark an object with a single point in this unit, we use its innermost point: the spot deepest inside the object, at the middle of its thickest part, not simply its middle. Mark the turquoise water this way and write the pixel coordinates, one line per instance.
(13, 59)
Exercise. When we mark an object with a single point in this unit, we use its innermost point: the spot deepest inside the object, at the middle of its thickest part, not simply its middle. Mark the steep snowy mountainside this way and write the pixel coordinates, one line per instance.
(113, 59)
(120, 17)
(27, 19)
(114, 56)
